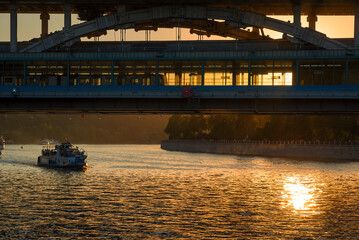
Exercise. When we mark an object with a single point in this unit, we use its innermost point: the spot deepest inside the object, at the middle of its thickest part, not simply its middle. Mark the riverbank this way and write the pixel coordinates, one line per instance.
(286, 149)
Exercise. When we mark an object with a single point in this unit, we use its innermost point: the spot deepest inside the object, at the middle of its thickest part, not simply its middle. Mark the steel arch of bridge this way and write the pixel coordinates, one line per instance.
(203, 27)
(232, 17)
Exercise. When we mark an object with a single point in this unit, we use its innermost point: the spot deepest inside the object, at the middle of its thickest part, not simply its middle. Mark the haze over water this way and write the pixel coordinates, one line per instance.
(141, 191)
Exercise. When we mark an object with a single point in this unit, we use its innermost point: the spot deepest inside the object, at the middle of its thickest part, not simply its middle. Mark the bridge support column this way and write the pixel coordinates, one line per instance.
(178, 75)
(25, 74)
(13, 27)
(249, 72)
(234, 73)
(312, 19)
(296, 15)
(112, 73)
(202, 82)
(67, 17)
(121, 8)
(296, 73)
(44, 16)
(68, 73)
(346, 71)
(356, 27)
(157, 72)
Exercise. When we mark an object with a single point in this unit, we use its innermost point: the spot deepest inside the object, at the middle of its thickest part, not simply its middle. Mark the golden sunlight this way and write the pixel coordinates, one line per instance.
(298, 196)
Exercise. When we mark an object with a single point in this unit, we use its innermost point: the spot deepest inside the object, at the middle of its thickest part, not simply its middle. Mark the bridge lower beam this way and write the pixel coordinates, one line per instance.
(183, 106)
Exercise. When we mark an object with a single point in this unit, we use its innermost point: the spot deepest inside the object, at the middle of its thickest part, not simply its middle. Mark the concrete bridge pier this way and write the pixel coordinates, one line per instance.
(312, 19)
(45, 17)
(121, 8)
(67, 17)
(356, 27)
(13, 27)
(296, 15)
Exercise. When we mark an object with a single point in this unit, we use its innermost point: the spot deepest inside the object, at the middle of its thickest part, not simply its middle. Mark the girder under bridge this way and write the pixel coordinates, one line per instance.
(191, 16)
(182, 100)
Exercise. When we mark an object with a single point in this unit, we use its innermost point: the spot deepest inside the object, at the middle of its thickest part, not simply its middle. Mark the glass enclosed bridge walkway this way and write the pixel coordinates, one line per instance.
(303, 73)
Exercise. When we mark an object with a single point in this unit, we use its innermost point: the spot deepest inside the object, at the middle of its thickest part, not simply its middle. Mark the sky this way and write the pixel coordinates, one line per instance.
(29, 27)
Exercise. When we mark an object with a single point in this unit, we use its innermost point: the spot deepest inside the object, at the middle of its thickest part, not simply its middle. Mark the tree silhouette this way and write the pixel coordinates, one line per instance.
(258, 127)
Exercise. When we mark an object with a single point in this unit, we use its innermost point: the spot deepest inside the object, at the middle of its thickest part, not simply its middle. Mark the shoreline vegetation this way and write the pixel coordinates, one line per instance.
(263, 128)
(325, 138)
(152, 129)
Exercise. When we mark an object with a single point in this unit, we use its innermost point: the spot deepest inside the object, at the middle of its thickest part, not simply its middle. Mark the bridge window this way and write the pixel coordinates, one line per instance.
(44, 73)
(167, 69)
(353, 73)
(272, 72)
(136, 73)
(191, 73)
(218, 73)
(181, 72)
(95, 73)
(322, 72)
(170, 70)
(11, 72)
(240, 72)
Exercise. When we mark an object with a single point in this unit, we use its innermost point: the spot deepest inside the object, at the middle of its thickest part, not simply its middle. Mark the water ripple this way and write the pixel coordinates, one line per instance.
(135, 192)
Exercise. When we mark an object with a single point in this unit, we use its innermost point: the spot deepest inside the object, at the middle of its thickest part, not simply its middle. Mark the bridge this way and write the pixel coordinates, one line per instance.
(305, 72)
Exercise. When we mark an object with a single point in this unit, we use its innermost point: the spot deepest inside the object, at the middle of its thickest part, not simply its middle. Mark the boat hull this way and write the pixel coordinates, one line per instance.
(45, 161)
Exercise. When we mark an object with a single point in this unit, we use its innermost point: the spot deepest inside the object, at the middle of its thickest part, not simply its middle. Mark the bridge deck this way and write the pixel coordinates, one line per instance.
(170, 99)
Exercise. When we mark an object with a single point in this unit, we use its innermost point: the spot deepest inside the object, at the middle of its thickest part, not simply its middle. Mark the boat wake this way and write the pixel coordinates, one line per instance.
(17, 162)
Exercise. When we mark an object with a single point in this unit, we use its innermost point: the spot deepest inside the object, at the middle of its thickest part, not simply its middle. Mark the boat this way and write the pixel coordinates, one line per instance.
(64, 155)
(2, 144)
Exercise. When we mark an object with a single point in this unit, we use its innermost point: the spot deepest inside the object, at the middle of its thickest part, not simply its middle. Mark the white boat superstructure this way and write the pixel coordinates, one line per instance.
(64, 155)
(49, 142)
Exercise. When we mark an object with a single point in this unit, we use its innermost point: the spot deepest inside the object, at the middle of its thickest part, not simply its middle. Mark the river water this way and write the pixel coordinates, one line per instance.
(143, 192)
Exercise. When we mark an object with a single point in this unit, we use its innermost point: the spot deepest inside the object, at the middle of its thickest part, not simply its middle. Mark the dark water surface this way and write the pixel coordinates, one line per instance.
(143, 192)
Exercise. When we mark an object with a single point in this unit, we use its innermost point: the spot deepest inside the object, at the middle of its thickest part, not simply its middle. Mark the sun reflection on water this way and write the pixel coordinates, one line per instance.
(299, 195)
